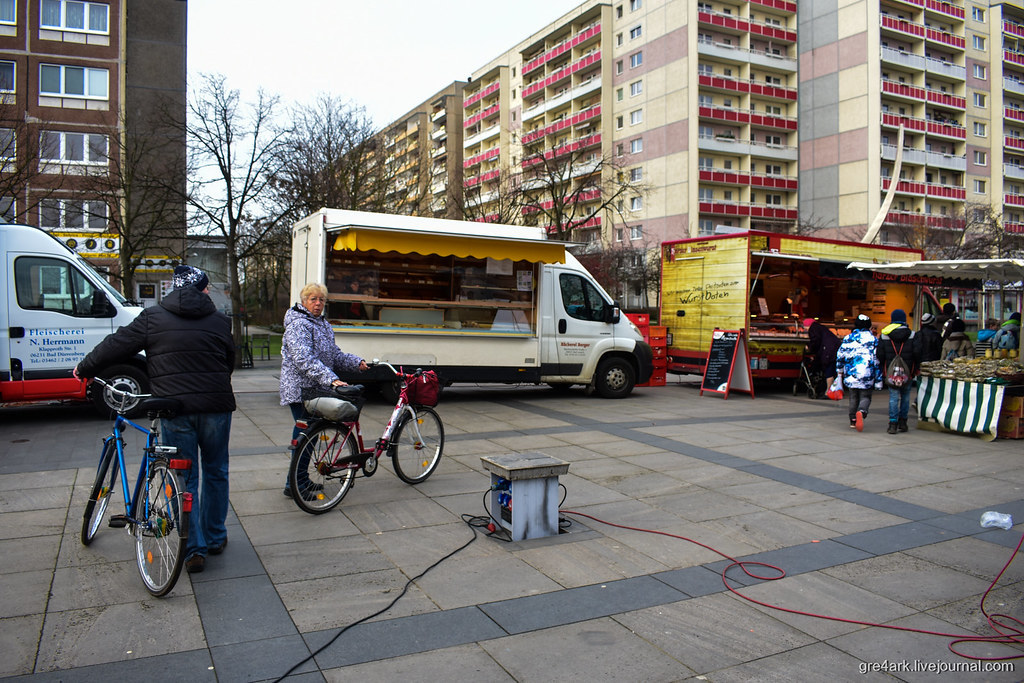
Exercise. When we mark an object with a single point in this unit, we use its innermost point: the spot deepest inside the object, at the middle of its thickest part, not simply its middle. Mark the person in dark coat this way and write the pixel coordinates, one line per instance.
(824, 345)
(898, 338)
(190, 356)
(942, 322)
(929, 339)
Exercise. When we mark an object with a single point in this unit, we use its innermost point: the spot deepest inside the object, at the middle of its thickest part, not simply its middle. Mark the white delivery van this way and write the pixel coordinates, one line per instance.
(477, 302)
(56, 309)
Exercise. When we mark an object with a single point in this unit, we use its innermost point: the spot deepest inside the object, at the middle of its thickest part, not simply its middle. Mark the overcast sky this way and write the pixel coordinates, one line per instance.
(385, 55)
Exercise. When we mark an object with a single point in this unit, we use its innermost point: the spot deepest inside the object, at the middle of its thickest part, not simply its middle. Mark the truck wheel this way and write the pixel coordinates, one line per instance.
(124, 377)
(614, 379)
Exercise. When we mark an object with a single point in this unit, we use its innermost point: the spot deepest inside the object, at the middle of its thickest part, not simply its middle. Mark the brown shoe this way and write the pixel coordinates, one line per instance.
(195, 564)
(217, 549)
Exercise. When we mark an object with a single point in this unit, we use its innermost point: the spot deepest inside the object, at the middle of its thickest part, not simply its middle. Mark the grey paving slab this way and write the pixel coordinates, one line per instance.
(262, 659)
(241, 610)
(886, 504)
(460, 664)
(797, 665)
(693, 581)
(892, 539)
(396, 637)
(579, 604)
(194, 665)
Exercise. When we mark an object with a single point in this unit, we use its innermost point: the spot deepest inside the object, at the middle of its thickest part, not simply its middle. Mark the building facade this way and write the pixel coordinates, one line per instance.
(71, 74)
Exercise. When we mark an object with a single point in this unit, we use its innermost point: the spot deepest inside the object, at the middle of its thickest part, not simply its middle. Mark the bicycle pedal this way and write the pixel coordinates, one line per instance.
(118, 521)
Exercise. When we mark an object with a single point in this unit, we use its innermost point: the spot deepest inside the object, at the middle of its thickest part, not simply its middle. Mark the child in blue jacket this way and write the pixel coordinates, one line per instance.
(857, 363)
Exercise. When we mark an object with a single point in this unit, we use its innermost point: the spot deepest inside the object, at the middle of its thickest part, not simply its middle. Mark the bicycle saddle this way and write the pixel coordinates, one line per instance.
(348, 393)
(157, 407)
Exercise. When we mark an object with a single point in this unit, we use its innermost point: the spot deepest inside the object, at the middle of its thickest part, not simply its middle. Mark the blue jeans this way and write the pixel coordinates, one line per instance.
(203, 438)
(298, 411)
(899, 402)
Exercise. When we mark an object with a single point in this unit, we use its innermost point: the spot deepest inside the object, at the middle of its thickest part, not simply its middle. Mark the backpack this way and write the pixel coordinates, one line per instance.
(1004, 339)
(897, 373)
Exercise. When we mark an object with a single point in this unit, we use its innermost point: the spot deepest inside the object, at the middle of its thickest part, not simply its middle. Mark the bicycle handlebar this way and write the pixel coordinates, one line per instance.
(398, 373)
(126, 395)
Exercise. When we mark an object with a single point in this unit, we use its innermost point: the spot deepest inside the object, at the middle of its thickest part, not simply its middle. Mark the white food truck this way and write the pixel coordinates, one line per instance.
(477, 302)
(56, 308)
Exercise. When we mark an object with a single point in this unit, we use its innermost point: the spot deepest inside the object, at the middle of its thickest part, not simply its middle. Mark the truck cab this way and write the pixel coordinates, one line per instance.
(56, 309)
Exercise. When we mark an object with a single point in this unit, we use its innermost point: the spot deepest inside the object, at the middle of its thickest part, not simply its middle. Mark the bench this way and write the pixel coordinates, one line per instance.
(260, 345)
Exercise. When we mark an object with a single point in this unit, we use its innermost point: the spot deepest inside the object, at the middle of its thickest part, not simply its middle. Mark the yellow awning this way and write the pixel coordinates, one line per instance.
(449, 245)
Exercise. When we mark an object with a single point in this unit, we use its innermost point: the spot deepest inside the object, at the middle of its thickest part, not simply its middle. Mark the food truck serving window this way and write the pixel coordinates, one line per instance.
(431, 292)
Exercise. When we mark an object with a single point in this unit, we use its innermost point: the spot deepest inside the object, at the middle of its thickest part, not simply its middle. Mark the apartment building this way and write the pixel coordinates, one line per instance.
(423, 151)
(951, 76)
(70, 73)
(691, 104)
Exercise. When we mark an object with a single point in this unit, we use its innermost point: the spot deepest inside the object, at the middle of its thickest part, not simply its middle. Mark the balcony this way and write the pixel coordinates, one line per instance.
(739, 178)
(1014, 171)
(568, 122)
(480, 116)
(1013, 142)
(949, 129)
(907, 218)
(1013, 29)
(1014, 85)
(491, 153)
(439, 133)
(481, 178)
(563, 47)
(1013, 199)
(784, 5)
(745, 116)
(745, 86)
(919, 94)
(439, 116)
(911, 187)
(716, 207)
(476, 97)
(740, 25)
(543, 106)
(742, 55)
(910, 155)
(953, 192)
(914, 30)
(561, 74)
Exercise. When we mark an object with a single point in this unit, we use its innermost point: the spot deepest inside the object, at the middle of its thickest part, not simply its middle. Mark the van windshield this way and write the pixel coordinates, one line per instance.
(85, 265)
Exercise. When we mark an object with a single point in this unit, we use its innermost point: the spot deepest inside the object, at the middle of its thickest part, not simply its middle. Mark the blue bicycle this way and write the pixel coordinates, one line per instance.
(157, 510)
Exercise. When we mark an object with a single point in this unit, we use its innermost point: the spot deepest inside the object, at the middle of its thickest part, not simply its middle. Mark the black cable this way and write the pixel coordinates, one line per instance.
(391, 604)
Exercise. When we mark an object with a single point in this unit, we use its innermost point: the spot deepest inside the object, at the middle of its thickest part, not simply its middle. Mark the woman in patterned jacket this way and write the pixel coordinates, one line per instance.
(857, 363)
(310, 358)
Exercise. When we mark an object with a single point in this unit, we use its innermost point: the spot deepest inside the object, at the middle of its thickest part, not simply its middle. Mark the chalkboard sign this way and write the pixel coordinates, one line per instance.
(727, 365)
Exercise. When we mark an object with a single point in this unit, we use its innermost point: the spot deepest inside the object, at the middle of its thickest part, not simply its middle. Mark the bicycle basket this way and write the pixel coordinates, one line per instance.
(423, 390)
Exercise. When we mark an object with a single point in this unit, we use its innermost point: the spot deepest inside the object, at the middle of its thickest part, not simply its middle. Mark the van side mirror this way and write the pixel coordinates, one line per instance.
(612, 314)
(101, 306)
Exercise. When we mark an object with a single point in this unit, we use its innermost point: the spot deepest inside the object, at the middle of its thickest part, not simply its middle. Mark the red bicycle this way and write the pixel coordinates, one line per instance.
(330, 451)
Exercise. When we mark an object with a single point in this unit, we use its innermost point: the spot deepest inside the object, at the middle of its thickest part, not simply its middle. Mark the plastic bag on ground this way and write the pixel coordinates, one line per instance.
(996, 519)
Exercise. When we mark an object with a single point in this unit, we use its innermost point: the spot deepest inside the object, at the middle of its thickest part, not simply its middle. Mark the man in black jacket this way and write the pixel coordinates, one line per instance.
(190, 355)
(898, 339)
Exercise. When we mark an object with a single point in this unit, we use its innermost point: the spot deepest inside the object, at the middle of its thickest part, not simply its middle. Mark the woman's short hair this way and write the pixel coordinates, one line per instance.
(311, 289)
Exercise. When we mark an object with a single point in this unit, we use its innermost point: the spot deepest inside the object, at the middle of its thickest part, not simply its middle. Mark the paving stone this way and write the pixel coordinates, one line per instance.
(460, 664)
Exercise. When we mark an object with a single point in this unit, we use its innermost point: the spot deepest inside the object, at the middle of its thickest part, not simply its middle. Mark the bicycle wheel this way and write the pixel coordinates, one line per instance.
(96, 506)
(317, 475)
(162, 530)
(417, 445)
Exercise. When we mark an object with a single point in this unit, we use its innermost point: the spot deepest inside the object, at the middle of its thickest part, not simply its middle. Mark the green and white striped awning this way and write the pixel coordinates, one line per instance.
(966, 407)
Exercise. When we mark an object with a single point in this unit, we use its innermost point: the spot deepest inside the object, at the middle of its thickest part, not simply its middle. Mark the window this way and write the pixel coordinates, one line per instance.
(636, 204)
(705, 132)
(618, 122)
(67, 214)
(705, 100)
(636, 146)
(636, 174)
(54, 285)
(773, 140)
(979, 99)
(980, 72)
(7, 16)
(7, 77)
(978, 14)
(705, 163)
(636, 59)
(706, 226)
(636, 88)
(581, 298)
(618, 39)
(72, 15)
(618, 12)
(979, 187)
(775, 199)
(704, 70)
(8, 213)
(635, 32)
(705, 194)
(618, 67)
(8, 145)
(72, 81)
(979, 129)
(980, 158)
(634, 5)
(636, 232)
(618, 234)
(978, 42)
(619, 94)
(76, 147)
(636, 117)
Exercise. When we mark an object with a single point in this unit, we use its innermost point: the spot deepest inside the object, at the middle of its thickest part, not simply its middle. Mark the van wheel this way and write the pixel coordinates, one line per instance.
(614, 379)
(389, 391)
(123, 377)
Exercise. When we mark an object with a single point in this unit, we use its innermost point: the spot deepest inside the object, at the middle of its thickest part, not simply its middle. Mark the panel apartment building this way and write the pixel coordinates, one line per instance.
(951, 74)
(765, 114)
(69, 71)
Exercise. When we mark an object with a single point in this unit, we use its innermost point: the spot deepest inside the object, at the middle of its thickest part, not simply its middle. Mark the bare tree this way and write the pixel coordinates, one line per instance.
(235, 154)
(569, 186)
(137, 193)
(497, 200)
(331, 157)
(20, 167)
(626, 266)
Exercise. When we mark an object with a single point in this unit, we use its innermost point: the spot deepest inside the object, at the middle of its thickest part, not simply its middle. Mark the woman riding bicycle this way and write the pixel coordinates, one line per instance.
(310, 358)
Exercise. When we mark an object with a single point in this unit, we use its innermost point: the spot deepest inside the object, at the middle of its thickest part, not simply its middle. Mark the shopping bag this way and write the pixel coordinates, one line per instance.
(835, 391)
